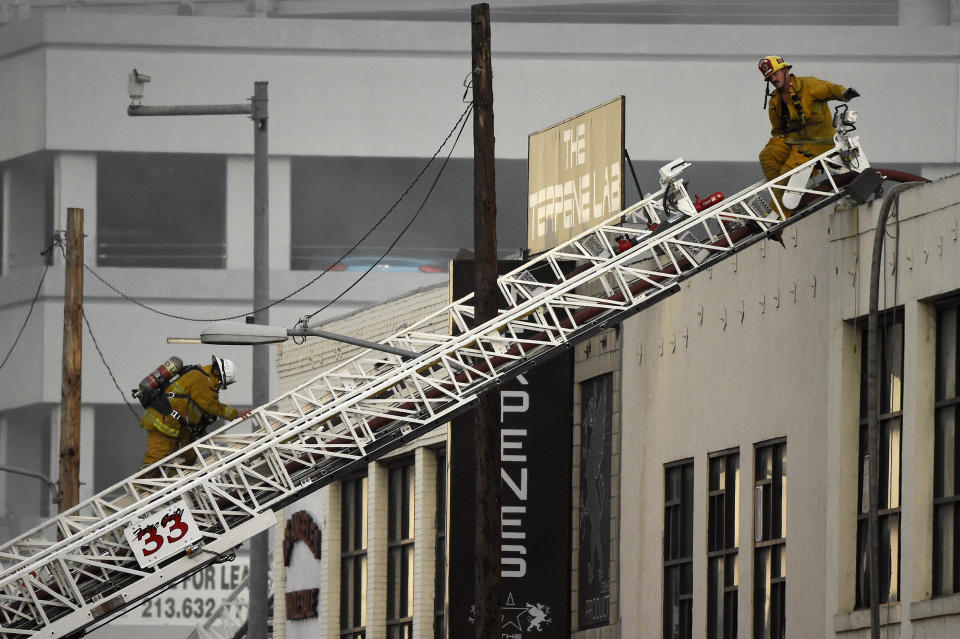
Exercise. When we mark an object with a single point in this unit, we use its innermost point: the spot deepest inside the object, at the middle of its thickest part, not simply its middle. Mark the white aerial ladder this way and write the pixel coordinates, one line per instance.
(145, 534)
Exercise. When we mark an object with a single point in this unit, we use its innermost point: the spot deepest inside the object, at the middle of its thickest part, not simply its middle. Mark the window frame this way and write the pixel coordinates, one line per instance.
(723, 554)
(353, 557)
(946, 401)
(400, 547)
(890, 425)
(440, 555)
(677, 566)
(769, 592)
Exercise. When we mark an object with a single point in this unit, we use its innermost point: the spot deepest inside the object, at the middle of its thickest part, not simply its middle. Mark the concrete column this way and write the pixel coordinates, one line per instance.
(88, 430)
(75, 186)
(25, 233)
(280, 214)
(843, 411)
(916, 551)
(240, 213)
(4, 221)
(279, 576)
(239, 235)
(425, 544)
(4, 447)
(330, 562)
(6, 518)
(924, 12)
(377, 518)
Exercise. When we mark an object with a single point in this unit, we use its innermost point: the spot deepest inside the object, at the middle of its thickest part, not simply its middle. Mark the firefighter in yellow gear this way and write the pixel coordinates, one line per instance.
(195, 400)
(801, 123)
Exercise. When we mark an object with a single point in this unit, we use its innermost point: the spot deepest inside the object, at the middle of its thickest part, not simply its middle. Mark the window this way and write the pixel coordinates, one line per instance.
(723, 539)
(596, 467)
(336, 201)
(161, 210)
(353, 559)
(678, 550)
(946, 481)
(440, 576)
(889, 425)
(400, 553)
(770, 540)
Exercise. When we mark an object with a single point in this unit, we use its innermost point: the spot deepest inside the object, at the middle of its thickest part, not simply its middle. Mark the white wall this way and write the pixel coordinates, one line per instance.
(761, 346)
(344, 87)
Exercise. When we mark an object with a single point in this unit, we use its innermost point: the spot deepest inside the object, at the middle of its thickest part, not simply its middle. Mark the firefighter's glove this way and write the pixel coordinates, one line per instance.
(849, 94)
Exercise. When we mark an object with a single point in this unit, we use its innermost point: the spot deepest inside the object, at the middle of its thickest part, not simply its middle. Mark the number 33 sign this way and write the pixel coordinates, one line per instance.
(162, 533)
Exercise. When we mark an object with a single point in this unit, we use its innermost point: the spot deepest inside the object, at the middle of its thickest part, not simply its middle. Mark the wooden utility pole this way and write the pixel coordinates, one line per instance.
(69, 479)
(486, 432)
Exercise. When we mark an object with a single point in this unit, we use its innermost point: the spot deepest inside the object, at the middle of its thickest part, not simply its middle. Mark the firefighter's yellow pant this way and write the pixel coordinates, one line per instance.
(160, 446)
(779, 157)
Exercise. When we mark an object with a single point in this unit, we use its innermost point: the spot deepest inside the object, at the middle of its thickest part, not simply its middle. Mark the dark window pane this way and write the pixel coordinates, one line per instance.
(889, 471)
(761, 599)
(947, 353)
(678, 551)
(722, 546)
(440, 578)
(945, 452)
(353, 563)
(770, 549)
(715, 598)
(400, 553)
(161, 210)
(337, 201)
(890, 558)
(945, 548)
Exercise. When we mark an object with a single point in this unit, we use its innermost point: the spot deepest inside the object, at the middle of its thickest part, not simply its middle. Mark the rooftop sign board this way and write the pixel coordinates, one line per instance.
(574, 179)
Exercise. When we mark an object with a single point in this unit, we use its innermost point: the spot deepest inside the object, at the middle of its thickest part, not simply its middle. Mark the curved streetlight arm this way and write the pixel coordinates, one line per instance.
(237, 333)
(316, 332)
(52, 485)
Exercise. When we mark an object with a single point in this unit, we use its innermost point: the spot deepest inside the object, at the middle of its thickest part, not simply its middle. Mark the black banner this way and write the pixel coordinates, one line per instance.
(536, 447)
(596, 434)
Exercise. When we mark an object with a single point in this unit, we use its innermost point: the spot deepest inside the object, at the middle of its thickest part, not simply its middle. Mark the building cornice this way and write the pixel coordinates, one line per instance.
(444, 38)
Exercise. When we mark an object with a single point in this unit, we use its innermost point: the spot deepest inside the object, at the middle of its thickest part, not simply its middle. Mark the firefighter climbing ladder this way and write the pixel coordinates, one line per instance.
(143, 535)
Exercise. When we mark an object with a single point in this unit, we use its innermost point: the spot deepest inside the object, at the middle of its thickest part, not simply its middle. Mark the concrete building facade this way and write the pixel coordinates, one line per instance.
(359, 101)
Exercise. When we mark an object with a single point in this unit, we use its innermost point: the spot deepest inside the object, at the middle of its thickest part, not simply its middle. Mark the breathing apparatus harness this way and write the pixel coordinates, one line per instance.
(152, 393)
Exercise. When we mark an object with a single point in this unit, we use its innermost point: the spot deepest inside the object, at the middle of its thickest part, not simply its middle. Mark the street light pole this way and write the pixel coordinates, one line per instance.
(260, 545)
(257, 110)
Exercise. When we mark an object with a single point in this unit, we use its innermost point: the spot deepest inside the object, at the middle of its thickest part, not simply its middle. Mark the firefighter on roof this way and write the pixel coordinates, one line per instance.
(194, 404)
(800, 119)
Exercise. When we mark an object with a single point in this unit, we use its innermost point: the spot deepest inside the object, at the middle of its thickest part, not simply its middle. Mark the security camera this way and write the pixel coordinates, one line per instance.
(135, 82)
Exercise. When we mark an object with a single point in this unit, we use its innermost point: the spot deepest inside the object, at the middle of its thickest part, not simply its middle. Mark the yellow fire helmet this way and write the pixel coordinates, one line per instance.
(771, 64)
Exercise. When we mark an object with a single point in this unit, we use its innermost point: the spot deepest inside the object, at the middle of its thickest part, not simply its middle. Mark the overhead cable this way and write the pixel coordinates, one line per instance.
(459, 124)
(33, 303)
(462, 122)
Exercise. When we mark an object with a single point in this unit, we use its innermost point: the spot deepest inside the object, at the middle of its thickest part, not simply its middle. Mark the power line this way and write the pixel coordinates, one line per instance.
(103, 359)
(33, 303)
(460, 122)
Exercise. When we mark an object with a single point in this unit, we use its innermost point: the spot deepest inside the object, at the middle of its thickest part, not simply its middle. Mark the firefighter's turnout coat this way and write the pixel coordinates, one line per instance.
(195, 394)
(801, 128)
